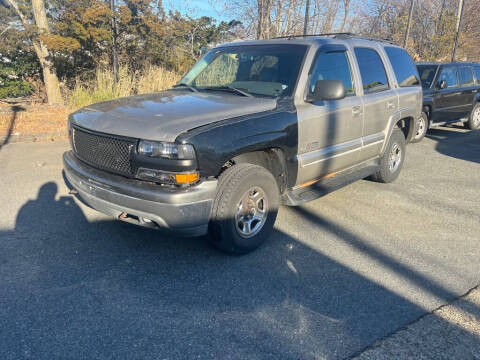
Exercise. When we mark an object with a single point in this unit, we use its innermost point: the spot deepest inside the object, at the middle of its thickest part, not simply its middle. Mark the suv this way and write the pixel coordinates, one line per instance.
(253, 124)
(451, 93)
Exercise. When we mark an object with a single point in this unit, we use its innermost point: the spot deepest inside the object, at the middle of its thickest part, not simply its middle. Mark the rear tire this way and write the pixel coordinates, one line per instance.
(421, 128)
(473, 122)
(392, 160)
(244, 209)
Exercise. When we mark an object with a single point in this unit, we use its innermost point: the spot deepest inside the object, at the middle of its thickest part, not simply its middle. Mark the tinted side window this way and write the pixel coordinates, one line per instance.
(477, 74)
(374, 77)
(332, 66)
(466, 76)
(427, 74)
(403, 67)
(449, 74)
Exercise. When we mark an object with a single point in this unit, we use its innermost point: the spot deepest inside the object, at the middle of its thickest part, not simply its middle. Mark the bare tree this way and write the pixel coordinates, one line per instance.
(264, 8)
(267, 18)
(346, 10)
(49, 74)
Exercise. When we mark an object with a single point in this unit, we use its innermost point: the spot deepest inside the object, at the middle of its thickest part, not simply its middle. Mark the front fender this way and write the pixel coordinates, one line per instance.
(220, 142)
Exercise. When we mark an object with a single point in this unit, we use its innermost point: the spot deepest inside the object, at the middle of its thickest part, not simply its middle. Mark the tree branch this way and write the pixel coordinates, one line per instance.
(22, 17)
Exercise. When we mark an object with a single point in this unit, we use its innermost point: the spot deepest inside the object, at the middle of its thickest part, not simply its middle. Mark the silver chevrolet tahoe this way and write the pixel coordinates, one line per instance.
(252, 125)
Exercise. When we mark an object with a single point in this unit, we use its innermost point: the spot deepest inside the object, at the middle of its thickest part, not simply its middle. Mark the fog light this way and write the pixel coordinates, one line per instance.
(164, 177)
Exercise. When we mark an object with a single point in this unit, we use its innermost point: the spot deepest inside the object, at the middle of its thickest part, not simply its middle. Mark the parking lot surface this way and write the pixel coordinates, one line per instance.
(338, 274)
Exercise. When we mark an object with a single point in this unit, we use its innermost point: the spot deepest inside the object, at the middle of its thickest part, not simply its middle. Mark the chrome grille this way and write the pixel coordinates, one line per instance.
(103, 151)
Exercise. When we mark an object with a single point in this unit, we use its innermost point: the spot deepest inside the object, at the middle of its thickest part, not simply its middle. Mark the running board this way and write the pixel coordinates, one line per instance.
(329, 183)
(437, 124)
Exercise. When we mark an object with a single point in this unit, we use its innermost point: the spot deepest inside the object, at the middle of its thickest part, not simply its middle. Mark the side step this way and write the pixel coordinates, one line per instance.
(297, 196)
(437, 124)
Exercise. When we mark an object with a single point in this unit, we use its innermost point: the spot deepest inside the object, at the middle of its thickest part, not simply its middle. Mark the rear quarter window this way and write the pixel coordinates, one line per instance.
(403, 67)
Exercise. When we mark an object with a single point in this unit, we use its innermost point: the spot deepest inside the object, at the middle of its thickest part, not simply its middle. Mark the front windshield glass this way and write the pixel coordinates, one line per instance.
(427, 74)
(261, 70)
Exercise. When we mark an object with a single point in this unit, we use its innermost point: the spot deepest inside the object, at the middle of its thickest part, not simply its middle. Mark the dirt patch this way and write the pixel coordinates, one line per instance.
(26, 122)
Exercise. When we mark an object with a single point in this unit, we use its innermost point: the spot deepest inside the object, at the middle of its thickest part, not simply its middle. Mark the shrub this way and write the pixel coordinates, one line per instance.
(15, 67)
(103, 88)
(11, 88)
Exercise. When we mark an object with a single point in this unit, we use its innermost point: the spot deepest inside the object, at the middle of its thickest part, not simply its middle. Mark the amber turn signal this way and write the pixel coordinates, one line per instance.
(186, 178)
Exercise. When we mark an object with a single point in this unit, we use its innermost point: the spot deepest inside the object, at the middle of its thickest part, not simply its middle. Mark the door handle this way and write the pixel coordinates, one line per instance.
(357, 110)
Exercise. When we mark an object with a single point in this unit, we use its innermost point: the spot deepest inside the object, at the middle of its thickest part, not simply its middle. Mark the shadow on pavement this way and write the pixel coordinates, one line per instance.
(15, 110)
(106, 289)
(459, 144)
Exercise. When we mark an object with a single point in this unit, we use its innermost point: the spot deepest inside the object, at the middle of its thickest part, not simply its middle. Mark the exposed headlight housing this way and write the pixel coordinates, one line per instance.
(165, 177)
(166, 150)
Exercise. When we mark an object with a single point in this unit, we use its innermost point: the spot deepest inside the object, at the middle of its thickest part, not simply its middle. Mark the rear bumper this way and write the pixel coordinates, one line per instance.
(184, 211)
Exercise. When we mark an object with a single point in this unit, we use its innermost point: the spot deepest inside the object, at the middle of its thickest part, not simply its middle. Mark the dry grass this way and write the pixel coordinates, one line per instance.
(45, 120)
(50, 121)
(103, 88)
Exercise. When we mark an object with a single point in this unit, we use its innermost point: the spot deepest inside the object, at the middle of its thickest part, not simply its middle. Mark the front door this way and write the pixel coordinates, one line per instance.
(447, 101)
(329, 131)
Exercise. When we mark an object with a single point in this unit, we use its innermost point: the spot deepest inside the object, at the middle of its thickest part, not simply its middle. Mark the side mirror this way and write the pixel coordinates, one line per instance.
(327, 90)
(442, 84)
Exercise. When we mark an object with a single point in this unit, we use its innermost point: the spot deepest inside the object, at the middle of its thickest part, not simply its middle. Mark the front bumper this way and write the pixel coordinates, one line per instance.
(184, 211)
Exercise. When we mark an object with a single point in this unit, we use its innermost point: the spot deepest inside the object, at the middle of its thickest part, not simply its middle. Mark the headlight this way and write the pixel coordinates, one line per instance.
(165, 177)
(166, 150)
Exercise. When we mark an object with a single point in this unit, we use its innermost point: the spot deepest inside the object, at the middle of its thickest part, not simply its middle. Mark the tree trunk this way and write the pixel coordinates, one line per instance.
(346, 8)
(264, 20)
(50, 78)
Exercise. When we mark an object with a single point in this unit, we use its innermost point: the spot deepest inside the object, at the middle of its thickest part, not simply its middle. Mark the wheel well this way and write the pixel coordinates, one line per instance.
(407, 125)
(272, 159)
(427, 109)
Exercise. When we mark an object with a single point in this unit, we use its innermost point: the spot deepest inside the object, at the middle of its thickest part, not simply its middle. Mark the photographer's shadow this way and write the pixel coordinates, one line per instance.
(45, 211)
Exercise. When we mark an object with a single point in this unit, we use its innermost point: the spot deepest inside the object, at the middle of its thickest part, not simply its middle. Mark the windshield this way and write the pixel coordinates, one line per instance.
(260, 70)
(427, 74)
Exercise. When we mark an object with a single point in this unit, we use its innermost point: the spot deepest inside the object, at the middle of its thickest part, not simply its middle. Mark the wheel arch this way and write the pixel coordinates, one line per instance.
(405, 121)
(272, 159)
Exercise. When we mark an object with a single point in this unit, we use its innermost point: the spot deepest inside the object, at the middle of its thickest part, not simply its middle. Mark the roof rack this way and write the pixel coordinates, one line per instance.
(339, 35)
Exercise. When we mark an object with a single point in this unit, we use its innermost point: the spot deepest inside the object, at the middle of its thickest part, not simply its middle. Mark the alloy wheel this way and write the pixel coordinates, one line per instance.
(476, 117)
(395, 157)
(421, 127)
(251, 212)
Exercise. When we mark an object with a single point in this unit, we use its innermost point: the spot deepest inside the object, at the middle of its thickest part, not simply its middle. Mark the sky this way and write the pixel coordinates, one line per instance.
(197, 8)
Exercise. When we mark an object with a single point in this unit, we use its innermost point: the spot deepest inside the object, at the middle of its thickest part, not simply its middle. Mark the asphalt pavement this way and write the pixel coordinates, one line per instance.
(338, 275)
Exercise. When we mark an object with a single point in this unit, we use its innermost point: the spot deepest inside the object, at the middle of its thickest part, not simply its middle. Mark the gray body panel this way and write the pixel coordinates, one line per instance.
(164, 116)
(335, 135)
(186, 212)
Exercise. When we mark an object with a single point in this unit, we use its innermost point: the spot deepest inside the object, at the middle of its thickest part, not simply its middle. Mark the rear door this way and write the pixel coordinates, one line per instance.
(447, 102)
(468, 88)
(379, 98)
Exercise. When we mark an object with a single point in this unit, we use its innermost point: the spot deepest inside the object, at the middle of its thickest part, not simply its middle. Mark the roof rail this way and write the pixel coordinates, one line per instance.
(339, 35)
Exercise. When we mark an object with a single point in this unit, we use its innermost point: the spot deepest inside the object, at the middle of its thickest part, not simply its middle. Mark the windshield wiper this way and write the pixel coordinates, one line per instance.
(230, 88)
(193, 88)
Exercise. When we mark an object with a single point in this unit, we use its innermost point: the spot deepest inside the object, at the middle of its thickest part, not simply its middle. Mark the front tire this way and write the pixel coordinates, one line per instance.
(473, 122)
(421, 128)
(392, 160)
(244, 209)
